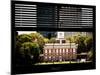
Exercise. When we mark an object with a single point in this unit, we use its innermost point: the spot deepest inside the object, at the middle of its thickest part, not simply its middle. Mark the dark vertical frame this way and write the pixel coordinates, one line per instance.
(94, 35)
(12, 35)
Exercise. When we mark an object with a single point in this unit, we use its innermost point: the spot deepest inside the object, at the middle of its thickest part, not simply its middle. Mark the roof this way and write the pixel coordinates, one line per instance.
(58, 45)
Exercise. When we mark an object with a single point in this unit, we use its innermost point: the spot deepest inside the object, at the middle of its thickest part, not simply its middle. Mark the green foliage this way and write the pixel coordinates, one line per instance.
(89, 43)
(46, 40)
(33, 37)
(84, 43)
(24, 38)
(29, 48)
(20, 39)
(52, 40)
(38, 38)
(79, 39)
(28, 45)
(71, 39)
(90, 55)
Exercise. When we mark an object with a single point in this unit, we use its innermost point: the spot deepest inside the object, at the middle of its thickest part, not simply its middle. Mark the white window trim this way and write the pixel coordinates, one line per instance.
(63, 50)
(74, 50)
(46, 51)
(49, 50)
(66, 50)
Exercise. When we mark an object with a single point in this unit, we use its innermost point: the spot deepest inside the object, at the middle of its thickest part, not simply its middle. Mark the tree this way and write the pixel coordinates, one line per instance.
(49, 35)
(84, 43)
(24, 38)
(71, 39)
(89, 43)
(20, 39)
(38, 38)
(52, 40)
(30, 51)
(28, 46)
(90, 55)
(46, 40)
(81, 46)
(33, 37)
(78, 39)
(89, 47)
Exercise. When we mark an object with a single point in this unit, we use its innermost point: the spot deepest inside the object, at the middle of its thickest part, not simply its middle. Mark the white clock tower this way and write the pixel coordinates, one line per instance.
(60, 35)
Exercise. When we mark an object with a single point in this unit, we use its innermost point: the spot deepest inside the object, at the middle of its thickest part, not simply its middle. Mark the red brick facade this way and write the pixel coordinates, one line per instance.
(62, 54)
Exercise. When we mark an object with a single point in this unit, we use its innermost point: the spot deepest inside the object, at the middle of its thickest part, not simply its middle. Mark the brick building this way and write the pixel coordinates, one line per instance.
(62, 50)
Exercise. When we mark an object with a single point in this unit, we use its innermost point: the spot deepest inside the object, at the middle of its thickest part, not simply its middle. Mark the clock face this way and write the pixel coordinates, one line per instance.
(60, 34)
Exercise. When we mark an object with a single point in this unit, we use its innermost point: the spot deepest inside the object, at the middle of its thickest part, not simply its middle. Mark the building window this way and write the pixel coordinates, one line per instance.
(60, 50)
(45, 50)
(74, 50)
(49, 50)
(63, 41)
(56, 50)
(63, 50)
(66, 50)
(49, 57)
(45, 57)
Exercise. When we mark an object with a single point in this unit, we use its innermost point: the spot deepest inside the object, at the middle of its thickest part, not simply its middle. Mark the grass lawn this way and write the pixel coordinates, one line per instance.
(64, 62)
